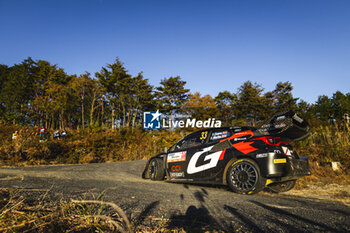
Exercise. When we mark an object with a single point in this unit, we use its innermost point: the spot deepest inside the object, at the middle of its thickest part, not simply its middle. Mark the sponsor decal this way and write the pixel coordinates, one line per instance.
(237, 162)
(277, 152)
(264, 155)
(176, 168)
(213, 159)
(240, 139)
(240, 134)
(177, 157)
(280, 161)
(281, 118)
(244, 133)
(218, 135)
(156, 120)
(176, 174)
(286, 151)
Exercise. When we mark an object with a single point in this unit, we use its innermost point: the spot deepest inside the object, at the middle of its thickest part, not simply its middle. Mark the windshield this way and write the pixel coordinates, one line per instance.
(172, 148)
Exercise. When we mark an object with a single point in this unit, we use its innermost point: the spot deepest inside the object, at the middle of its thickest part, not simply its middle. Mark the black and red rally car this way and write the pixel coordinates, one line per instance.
(247, 159)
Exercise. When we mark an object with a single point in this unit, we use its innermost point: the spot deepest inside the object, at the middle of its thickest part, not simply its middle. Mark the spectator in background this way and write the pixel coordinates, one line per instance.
(346, 118)
(64, 134)
(15, 135)
(331, 120)
(56, 134)
(42, 133)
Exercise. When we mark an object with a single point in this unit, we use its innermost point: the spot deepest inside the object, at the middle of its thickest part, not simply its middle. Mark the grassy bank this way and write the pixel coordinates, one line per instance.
(88, 146)
(324, 145)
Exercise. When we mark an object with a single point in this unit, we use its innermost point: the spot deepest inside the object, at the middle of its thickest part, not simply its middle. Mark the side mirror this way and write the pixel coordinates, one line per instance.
(165, 149)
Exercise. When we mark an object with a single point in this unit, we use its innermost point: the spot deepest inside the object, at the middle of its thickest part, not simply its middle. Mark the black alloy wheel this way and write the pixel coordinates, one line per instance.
(244, 177)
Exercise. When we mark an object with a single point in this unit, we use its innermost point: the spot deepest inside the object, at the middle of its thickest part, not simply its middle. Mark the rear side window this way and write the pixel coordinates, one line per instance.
(220, 134)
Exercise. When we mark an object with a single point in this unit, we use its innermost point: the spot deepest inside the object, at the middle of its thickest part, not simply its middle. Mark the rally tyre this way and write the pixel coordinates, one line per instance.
(282, 186)
(244, 177)
(156, 169)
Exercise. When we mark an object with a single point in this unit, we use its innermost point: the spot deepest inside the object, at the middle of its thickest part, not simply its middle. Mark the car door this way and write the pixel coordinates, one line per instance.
(219, 157)
(184, 150)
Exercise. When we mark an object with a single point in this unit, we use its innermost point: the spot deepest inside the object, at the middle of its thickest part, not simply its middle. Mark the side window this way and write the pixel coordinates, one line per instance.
(192, 140)
(219, 134)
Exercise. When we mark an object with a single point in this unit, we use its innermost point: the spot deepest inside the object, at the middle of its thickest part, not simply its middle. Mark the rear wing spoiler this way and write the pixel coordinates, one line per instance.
(286, 125)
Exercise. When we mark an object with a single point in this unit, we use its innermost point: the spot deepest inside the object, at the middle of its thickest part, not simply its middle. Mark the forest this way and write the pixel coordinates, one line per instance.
(37, 93)
(102, 114)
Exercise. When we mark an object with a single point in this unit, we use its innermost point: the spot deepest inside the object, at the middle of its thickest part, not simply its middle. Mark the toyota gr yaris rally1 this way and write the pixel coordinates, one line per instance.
(247, 159)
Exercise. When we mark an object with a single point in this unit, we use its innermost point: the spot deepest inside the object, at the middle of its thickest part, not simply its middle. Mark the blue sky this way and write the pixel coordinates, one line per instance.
(213, 45)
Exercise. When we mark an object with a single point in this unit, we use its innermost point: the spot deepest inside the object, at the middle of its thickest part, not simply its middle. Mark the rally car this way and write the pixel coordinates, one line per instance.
(247, 159)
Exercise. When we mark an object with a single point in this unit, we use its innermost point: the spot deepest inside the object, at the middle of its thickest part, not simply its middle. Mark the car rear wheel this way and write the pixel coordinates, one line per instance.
(282, 186)
(243, 177)
(156, 169)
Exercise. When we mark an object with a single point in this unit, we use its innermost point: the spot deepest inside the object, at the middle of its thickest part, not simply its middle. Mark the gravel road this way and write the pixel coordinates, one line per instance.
(182, 205)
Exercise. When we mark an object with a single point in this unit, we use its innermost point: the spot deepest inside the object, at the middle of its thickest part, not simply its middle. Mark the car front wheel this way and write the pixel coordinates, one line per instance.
(156, 169)
(243, 177)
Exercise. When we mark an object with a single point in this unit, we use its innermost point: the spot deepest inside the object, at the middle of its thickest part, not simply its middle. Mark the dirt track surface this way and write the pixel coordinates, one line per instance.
(181, 205)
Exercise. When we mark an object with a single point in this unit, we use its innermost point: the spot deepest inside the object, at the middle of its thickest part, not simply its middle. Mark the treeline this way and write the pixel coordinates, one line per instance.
(37, 93)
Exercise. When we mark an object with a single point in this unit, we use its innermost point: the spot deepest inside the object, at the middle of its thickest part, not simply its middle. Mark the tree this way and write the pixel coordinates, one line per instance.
(226, 104)
(94, 94)
(172, 94)
(3, 78)
(341, 104)
(52, 95)
(201, 107)
(59, 92)
(87, 92)
(142, 98)
(17, 91)
(251, 106)
(115, 82)
(306, 110)
(282, 98)
(323, 108)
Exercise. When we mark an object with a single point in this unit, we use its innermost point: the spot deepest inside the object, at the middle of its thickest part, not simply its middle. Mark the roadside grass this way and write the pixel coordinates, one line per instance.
(324, 175)
(327, 144)
(18, 214)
